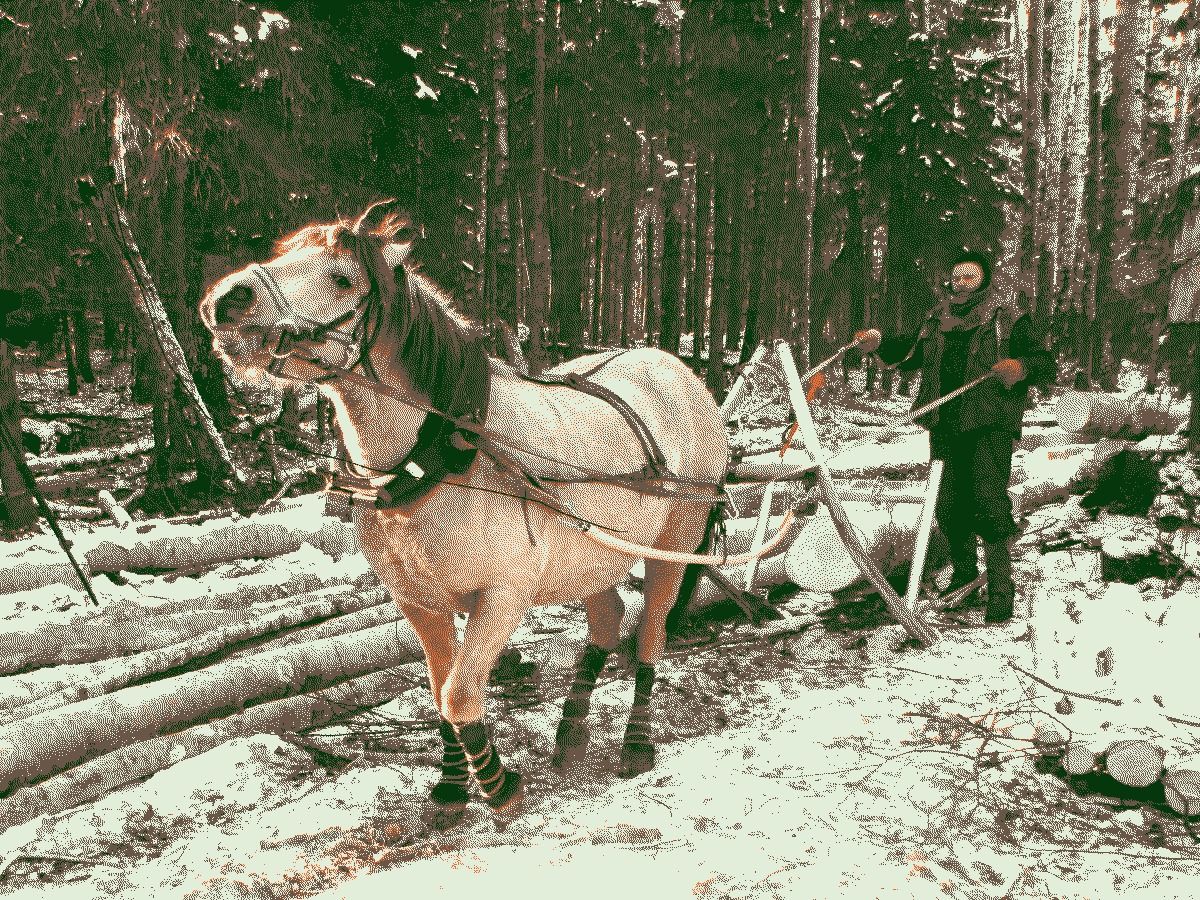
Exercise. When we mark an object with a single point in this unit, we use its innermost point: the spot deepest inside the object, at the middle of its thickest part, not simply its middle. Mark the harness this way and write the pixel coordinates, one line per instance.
(452, 433)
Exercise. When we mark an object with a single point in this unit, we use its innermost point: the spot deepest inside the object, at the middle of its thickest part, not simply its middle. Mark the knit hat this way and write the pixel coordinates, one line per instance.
(981, 260)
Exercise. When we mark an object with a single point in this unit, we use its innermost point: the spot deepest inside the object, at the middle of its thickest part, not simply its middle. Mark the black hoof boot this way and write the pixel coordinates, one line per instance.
(571, 742)
(509, 797)
(446, 808)
(636, 759)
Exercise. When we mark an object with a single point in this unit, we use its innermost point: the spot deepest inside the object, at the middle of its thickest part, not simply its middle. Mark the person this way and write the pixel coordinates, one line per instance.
(969, 333)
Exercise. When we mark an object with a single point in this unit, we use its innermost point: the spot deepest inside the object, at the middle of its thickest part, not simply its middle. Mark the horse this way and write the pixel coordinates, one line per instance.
(494, 492)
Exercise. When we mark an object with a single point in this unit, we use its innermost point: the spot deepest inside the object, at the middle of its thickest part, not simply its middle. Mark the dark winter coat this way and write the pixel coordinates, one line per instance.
(950, 352)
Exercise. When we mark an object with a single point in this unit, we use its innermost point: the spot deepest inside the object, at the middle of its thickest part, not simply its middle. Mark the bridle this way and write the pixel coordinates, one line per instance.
(291, 327)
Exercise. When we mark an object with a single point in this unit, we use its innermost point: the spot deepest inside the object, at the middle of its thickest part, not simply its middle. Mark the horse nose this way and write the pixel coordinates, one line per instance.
(232, 305)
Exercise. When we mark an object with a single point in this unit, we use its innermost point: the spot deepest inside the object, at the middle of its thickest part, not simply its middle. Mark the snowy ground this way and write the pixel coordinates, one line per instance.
(797, 760)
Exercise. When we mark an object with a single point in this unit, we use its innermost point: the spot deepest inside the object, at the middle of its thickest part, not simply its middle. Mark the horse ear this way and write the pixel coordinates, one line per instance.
(372, 217)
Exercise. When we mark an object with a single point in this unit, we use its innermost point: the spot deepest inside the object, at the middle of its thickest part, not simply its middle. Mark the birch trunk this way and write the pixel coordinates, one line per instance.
(54, 741)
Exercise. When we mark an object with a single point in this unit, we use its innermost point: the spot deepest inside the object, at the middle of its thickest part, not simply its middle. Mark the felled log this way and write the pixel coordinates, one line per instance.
(122, 628)
(56, 483)
(207, 545)
(171, 546)
(90, 459)
(95, 778)
(51, 742)
(76, 512)
(1114, 414)
(377, 613)
(819, 561)
(81, 682)
(113, 509)
(1051, 473)
(1079, 759)
(1135, 763)
(1181, 785)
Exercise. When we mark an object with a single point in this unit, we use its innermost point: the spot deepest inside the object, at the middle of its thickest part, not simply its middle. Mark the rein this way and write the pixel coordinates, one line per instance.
(491, 444)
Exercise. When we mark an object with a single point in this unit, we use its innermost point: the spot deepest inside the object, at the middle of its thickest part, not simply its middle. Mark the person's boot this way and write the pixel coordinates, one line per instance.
(965, 568)
(1000, 587)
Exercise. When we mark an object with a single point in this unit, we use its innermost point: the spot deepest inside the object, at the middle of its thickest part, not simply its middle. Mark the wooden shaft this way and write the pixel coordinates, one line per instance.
(917, 413)
(808, 430)
(760, 533)
(921, 547)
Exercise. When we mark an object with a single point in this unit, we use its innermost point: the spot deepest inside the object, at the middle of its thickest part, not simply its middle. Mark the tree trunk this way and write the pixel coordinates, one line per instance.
(724, 224)
(1034, 142)
(93, 779)
(83, 347)
(1181, 129)
(539, 300)
(502, 273)
(808, 161)
(1129, 113)
(169, 355)
(51, 742)
(18, 510)
(1062, 68)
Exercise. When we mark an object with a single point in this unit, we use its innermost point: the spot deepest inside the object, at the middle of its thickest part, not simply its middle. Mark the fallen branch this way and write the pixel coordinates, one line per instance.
(90, 458)
(1060, 690)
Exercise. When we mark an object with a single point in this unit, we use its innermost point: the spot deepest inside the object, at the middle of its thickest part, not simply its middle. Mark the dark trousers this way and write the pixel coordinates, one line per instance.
(973, 499)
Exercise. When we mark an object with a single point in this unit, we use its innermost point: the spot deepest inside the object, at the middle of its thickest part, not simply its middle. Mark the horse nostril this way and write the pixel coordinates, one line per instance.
(232, 305)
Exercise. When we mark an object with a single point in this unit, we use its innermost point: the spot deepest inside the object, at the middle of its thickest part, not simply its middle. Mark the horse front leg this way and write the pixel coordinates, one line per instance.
(604, 611)
(440, 640)
(489, 629)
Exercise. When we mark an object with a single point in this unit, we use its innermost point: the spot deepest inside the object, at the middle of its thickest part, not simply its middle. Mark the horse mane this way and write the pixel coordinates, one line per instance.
(435, 345)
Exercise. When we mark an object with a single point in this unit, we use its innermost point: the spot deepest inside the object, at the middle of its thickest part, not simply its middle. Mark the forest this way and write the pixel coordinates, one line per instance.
(598, 174)
(197, 656)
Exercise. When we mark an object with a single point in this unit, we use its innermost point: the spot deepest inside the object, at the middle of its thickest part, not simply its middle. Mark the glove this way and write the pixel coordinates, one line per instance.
(1010, 371)
(868, 339)
(815, 385)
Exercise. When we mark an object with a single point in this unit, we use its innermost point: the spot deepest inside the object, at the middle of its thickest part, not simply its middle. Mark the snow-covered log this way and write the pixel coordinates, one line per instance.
(51, 742)
(1113, 414)
(165, 546)
(90, 459)
(819, 561)
(95, 778)
(1051, 473)
(30, 696)
(1078, 759)
(76, 512)
(125, 627)
(191, 547)
(1135, 763)
(114, 510)
(1182, 788)
(381, 610)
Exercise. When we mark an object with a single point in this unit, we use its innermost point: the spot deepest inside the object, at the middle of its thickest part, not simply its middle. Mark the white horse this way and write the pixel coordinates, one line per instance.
(492, 478)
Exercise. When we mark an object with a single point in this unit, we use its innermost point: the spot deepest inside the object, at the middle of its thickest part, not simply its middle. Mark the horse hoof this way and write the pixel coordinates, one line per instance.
(570, 744)
(443, 816)
(508, 801)
(636, 759)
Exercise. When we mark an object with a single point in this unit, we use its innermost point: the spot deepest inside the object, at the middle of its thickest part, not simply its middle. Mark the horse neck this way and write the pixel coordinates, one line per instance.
(378, 429)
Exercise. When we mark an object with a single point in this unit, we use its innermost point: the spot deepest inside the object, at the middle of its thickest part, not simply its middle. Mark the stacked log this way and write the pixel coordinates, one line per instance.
(1108, 415)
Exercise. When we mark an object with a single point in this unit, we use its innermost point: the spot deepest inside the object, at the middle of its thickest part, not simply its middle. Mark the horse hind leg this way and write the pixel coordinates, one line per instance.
(684, 533)
(604, 611)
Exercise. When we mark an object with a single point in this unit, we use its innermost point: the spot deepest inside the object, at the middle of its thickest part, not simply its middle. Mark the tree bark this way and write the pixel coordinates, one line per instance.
(51, 742)
(18, 510)
(97, 777)
(539, 252)
(1034, 141)
(501, 261)
(801, 340)
(1183, 111)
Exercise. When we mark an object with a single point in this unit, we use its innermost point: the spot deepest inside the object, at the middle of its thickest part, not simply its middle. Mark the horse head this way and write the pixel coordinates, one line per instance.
(320, 297)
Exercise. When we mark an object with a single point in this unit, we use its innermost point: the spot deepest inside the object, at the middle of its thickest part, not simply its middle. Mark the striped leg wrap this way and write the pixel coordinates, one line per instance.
(497, 783)
(578, 702)
(637, 755)
(451, 790)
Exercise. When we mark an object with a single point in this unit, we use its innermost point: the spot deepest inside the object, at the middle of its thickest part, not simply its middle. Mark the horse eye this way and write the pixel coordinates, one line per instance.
(341, 281)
